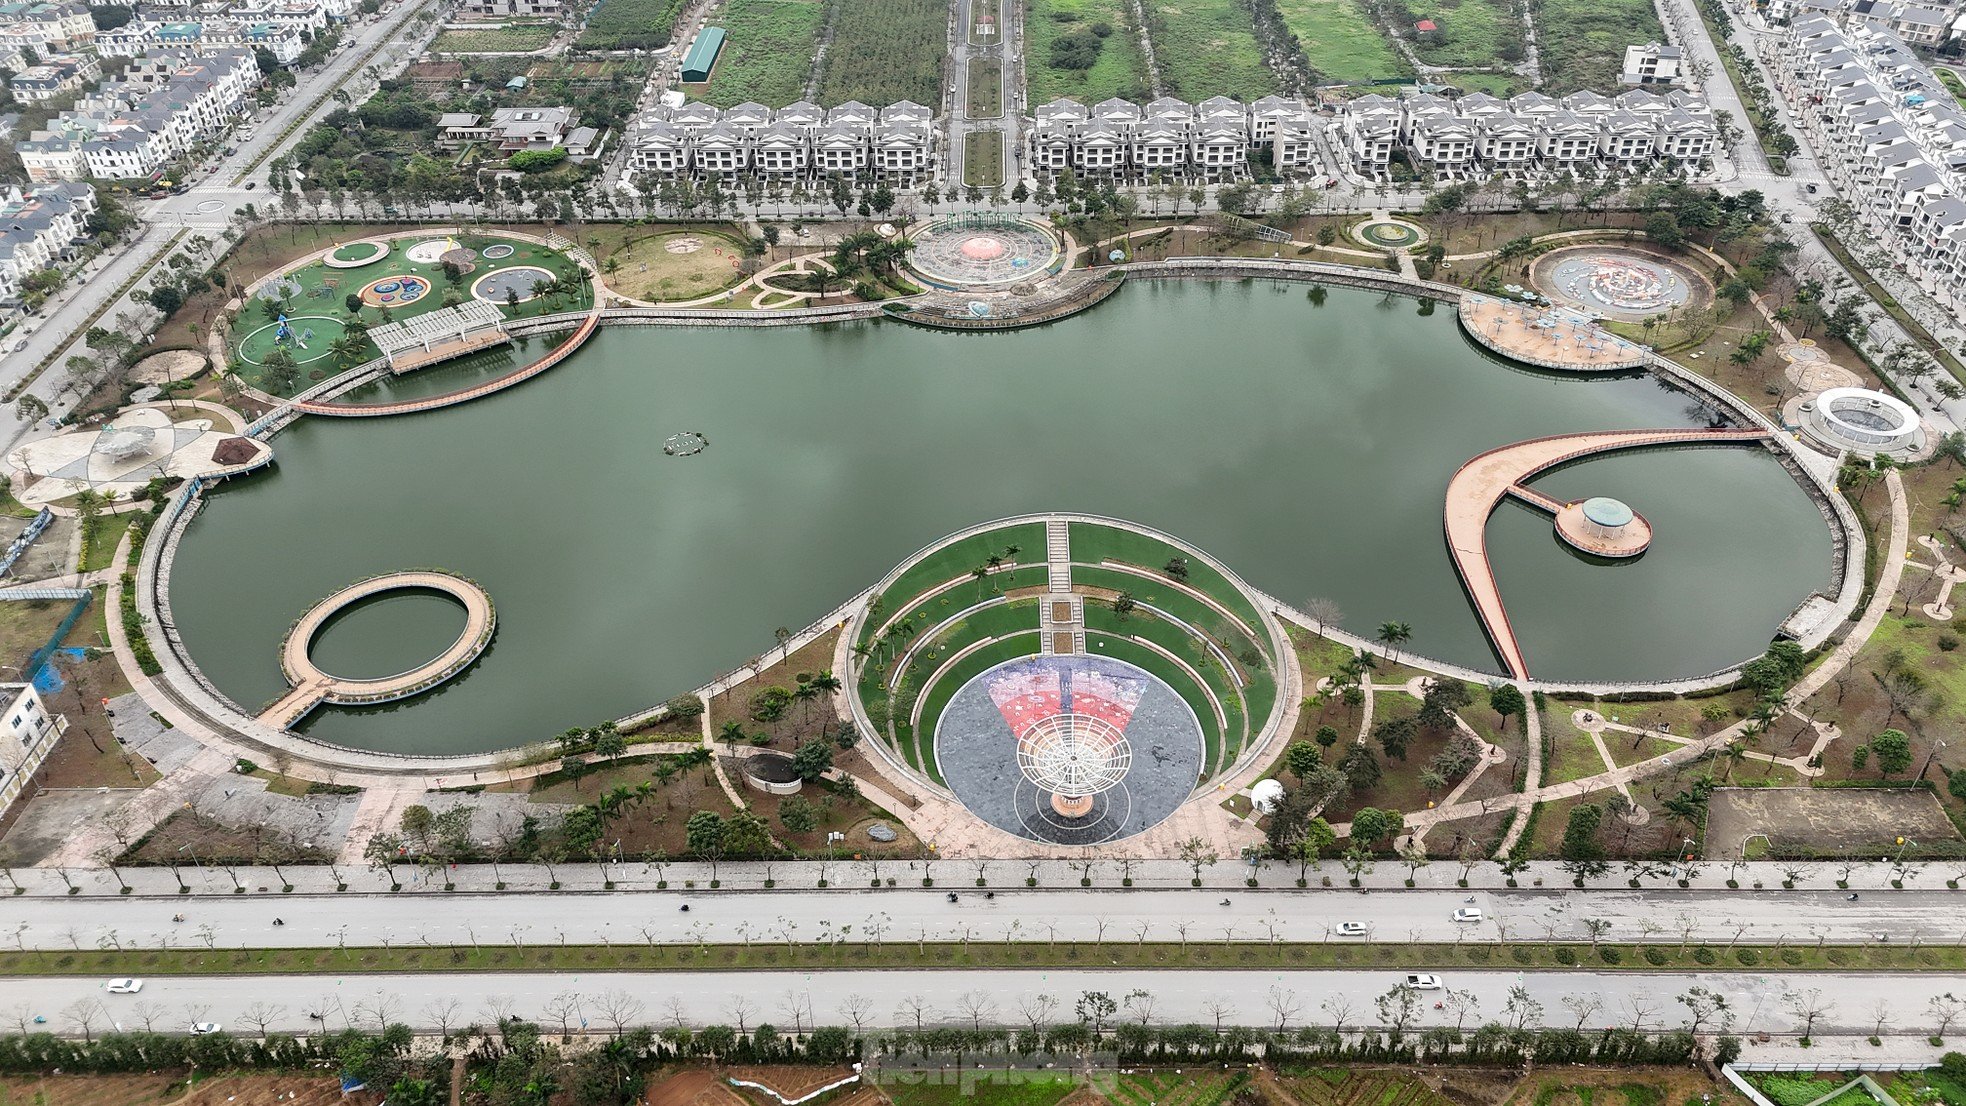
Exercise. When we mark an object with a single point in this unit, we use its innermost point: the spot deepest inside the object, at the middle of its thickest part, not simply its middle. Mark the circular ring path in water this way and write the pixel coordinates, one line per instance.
(1015, 707)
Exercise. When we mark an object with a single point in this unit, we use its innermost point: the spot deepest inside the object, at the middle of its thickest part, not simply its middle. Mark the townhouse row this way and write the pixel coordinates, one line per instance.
(896, 144)
(1215, 139)
(45, 28)
(1889, 134)
(40, 228)
(165, 103)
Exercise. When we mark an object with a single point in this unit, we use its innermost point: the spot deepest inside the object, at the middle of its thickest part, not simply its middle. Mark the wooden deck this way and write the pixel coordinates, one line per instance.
(1481, 483)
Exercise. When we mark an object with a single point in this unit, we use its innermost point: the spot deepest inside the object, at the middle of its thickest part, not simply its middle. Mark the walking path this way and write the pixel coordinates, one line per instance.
(1949, 574)
(1475, 490)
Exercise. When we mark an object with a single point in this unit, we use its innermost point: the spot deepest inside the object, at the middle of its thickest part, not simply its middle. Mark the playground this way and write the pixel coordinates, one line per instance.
(685, 265)
(306, 309)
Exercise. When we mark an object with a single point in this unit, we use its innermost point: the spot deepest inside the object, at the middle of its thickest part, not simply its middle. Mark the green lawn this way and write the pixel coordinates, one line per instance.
(1093, 543)
(955, 561)
(1339, 40)
(1206, 48)
(1472, 33)
(1583, 41)
(921, 746)
(319, 304)
(767, 55)
(976, 1089)
(985, 88)
(983, 159)
(886, 50)
(1199, 698)
(1119, 69)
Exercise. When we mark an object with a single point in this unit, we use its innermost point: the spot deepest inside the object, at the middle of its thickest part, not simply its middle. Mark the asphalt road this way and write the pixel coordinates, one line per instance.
(887, 998)
(1040, 915)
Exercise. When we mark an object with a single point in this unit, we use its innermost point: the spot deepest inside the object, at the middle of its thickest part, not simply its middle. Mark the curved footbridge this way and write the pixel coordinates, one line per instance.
(312, 687)
(1478, 486)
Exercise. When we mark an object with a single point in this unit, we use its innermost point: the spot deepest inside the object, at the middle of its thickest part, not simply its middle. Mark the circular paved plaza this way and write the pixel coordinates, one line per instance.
(1069, 750)
(1618, 283)
(513, 285)
(983, 251)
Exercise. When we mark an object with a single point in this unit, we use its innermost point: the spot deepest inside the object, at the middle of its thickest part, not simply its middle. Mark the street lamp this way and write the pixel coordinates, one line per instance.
(1936, 746)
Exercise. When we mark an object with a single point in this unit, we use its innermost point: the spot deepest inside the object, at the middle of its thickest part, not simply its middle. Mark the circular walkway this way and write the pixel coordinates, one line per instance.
(312, 686)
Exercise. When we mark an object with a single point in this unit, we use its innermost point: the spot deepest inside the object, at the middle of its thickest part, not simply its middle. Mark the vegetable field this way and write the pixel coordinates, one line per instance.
(1052, 69)
(767, 55)
(1206, 48)
(1339, 40)
(511, 39)
(630, 25)
(881, 51)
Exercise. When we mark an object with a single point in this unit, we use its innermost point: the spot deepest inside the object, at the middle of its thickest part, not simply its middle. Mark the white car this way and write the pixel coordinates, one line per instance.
(1351, 929)
(1468, 914)
(1423, 982)
(199, 1029)
(124, 986)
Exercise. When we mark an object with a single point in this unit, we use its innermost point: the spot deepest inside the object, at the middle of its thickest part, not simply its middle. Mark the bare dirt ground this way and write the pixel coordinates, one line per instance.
(790, 1080)
(692, 1087)
(1822, 820)
(306, 1089)
(161, 368)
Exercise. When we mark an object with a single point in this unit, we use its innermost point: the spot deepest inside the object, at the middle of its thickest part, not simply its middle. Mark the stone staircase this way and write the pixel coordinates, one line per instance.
(1058, 555)
(1061, 625)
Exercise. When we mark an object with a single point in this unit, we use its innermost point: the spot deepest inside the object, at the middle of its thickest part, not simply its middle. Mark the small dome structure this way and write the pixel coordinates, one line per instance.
(1606, 515)
(1603, 527)
(1266, 795)
(983, 248)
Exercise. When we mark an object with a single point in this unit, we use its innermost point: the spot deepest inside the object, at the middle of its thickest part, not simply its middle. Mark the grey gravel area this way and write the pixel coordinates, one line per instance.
(977, 752)
(143, 733)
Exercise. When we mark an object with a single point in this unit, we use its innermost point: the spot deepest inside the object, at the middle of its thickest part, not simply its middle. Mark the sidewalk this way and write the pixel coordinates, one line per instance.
(853, 877)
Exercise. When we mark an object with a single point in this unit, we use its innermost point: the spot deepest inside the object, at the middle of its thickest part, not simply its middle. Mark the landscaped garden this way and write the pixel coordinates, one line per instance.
(313, 321)
(768, 47)
(985, 88)
(983, 159)
(681, 265)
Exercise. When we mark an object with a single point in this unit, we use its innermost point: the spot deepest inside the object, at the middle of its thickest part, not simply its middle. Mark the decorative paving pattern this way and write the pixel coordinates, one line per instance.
(1618, 283)
(982, 251)
(1069, 750)
(1389, 233)
(394, 291)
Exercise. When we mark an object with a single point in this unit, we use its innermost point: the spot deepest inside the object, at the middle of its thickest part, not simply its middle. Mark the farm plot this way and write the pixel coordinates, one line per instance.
(1084, 49)
(1207, 48)
(630, 25)
(1340, 41)
(768, 47)
(882, 51)
(521, 38)
(1583, 41)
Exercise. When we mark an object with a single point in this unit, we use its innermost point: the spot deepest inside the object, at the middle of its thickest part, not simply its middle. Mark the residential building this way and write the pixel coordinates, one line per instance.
(27, 731)
(1890, 135)
(1652, 63)
(509, 130)
(284, 39)
(165, 103)
(506, 9)
(896, 144)
(47, 27)
(58, 75)
(41, 228)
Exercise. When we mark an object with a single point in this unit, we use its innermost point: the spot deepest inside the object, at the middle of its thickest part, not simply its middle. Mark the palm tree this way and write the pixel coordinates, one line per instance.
(1393, 635)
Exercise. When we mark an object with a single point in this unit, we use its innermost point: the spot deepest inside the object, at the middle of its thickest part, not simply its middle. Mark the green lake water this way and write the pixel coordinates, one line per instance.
(1306, 447)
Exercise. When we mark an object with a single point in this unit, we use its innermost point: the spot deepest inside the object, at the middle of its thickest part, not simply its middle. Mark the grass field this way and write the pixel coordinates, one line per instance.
(648, 269)
(985, 88)
(1026, 1089)
(767, 52)
(1339, 41)
(1583, 41)
(886, 50)
(510, 39)
(1472, 33)
(1119, 70)
(1206, 48)
(630, 24)
(983, 159)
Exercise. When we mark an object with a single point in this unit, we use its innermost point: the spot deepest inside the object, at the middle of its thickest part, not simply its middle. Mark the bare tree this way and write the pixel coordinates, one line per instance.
(739, 1009)
(1036, 1010)
(620, 1008)
(1218, 1008)
(798, 1008)
(912, 1008)
(260, 1015)
(678, 1011)
(1945, 1010)
(1808, 1006)
(498, 1009)
(1584, 1006)
(146, 1013)
(81, 1016)
(1340, 1010)
(1323, 613)
(1880, 1014)
(856, 1008)
(1641, 1006)
(442, 1012)
(383, 1006)
(1283, 1003)
(563, 1008)
(1140, 1004)
(976, 1006)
